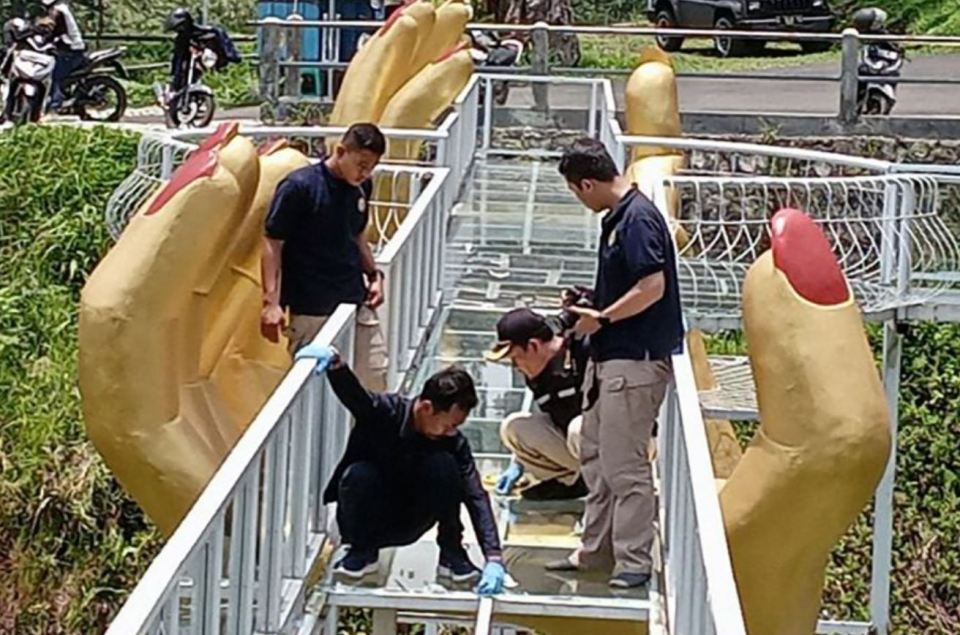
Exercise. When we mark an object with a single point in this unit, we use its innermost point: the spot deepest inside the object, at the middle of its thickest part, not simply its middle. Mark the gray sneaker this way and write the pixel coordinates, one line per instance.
(629, 580)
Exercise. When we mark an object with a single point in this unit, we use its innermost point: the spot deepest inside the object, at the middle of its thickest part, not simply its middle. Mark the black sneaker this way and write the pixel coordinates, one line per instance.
(356, 564)
(629, 580)
(554, 490)
(457, 567)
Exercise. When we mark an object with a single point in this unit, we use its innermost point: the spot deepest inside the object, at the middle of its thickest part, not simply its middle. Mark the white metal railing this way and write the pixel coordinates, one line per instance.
(886, 231)
(539, 35)
(412, 262)
(701, 591)
(242, 553)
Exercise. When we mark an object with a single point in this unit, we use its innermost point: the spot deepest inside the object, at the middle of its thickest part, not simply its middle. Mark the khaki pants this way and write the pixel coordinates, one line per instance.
(370, 348)
(621, 507)
(541, 447)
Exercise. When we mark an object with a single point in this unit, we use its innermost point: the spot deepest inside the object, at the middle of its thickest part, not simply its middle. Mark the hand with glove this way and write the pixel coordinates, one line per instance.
(509, 478)
(326, 356)
(492, 579)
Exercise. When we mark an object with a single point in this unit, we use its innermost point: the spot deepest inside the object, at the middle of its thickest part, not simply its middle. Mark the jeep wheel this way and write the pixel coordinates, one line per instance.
(665, 20)
(728, 46)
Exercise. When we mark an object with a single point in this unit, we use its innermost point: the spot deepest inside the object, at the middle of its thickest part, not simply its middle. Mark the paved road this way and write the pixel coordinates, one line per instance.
(766, 95)
(785, 96)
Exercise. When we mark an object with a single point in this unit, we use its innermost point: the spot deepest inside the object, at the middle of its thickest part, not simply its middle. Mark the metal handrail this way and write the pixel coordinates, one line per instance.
(413, 134)
(688, 143)
(160, 579)
(707, 602)
(584, 29)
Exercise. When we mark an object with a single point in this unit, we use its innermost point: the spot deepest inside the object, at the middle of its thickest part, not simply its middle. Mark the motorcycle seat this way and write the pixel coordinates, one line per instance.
(106, 54)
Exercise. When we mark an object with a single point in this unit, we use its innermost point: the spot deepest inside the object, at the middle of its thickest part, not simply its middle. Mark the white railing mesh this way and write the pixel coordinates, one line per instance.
(886, 231)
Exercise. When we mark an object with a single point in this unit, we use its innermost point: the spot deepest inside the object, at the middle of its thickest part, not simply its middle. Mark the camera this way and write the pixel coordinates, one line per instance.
(579, 296)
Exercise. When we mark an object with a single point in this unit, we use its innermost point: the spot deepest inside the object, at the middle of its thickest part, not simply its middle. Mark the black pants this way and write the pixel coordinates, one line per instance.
(377, 511)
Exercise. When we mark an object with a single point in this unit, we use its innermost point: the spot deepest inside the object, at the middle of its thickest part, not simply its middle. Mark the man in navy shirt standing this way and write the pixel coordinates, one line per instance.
(317, 257)
(634, 328)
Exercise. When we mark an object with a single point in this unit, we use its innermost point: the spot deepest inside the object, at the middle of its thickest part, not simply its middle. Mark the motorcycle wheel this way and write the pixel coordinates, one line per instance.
(23, 110)
(197, 112)
(100, 98)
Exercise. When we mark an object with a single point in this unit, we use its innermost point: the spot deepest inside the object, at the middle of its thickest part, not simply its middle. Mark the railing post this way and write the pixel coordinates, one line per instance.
(882, 555)
(270, 63)
(540, 64)
(291, 75)
(849, 67)
(166, 162)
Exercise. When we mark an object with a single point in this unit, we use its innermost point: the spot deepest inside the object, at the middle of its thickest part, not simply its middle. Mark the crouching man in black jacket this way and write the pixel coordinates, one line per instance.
(407, 467)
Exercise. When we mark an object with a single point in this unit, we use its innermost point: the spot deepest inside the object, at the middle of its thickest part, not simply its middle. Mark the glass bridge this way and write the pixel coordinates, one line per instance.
(487, 229)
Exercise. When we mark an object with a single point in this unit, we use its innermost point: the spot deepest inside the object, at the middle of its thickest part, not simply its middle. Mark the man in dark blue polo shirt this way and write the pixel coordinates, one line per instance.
(407, 467)
(634, 328)
(317, 257)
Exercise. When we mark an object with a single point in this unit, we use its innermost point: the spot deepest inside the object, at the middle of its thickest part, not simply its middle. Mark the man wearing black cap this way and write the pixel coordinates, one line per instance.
(546, 443)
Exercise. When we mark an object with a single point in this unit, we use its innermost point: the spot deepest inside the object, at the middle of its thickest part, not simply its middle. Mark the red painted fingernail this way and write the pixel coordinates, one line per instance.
(201, 163)
(802, 253)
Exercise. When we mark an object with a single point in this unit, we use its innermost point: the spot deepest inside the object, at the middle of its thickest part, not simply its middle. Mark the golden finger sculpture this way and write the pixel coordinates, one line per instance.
(652, 109)
(824, 436)
(171, 366)
(405, 76)
(417, 105)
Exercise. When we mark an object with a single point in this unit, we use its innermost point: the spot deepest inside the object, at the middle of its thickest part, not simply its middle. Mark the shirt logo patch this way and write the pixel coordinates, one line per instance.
(361, 205)
(612, 238)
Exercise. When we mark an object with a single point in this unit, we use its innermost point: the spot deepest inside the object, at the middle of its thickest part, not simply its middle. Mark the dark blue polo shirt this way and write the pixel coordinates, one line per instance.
(635, 242)
(318, 217)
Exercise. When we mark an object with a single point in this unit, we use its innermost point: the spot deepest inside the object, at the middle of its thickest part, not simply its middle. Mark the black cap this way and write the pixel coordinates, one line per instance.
(518, 326)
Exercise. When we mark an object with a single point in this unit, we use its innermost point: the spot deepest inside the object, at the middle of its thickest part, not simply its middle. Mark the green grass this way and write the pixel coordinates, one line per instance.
(236, 85)
(71, 542)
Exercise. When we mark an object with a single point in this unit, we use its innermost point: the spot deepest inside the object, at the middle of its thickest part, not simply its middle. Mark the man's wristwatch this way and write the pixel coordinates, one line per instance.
(376, 274)
(604, 321)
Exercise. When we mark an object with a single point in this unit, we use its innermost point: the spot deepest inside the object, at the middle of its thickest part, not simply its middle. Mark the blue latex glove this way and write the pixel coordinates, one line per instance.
(509, 478)
(491, 582)
(323, 354)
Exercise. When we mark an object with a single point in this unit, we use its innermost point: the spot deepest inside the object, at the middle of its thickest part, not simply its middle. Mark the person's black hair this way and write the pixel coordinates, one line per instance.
(365, 136)
(450, 387)
(587, 158)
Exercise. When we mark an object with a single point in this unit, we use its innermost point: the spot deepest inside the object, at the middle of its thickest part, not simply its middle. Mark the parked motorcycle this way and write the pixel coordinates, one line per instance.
(490, 50)
(91, 92)
(27, 72)
(881, 62)
(194, 105)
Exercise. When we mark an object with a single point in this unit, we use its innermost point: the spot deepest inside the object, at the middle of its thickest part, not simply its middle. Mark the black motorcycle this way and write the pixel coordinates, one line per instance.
(490, 51)
(91, 92)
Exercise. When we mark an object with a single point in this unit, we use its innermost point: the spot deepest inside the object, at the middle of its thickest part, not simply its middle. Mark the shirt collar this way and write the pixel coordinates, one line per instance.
(407, 429)
(616, 213)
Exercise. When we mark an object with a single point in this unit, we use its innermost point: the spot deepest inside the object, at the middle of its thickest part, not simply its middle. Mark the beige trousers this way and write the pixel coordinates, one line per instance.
(370, 347)
(620, 509)
(541, 447)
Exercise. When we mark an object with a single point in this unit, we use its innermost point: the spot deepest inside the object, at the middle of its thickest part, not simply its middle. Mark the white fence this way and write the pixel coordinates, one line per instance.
(241, 556)
(701, 591)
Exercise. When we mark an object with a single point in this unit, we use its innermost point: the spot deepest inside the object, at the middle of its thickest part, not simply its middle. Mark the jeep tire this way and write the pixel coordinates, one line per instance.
(728, 46)
(666, 20)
